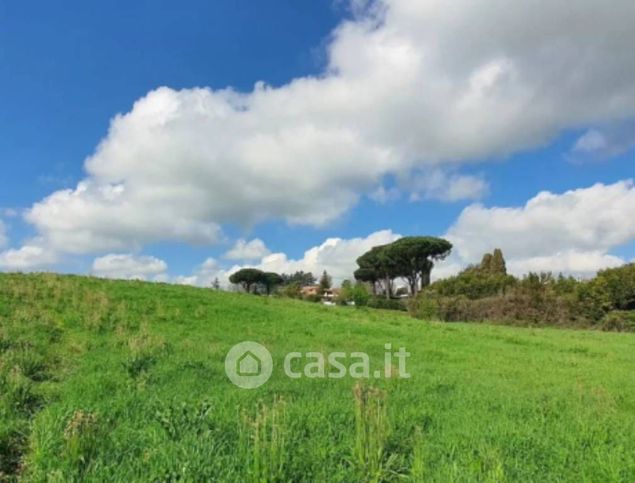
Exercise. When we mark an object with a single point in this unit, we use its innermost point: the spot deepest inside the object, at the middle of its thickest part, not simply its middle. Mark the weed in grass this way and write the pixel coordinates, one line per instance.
(81, 436)
(418, 468)
(265, 441)
(372, 430)
(30, 364)
(18, 394)
(138, 364)
(5, 343)
(145, 351)
(12, 445)
(179, 419)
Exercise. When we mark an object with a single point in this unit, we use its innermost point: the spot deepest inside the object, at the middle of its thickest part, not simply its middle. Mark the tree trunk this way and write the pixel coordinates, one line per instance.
(412, 281)
(425, 279)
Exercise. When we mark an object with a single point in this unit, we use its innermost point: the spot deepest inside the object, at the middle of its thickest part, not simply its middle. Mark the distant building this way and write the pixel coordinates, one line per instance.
(310, 290)
(328, 296)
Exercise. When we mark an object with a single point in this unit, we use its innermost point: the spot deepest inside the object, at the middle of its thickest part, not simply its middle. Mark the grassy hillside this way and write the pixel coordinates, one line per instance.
(125, 381)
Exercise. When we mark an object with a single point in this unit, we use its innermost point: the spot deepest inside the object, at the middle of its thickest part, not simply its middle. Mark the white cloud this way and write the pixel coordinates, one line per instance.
(3, 235)
(570, 262)
(571, 232)
(590, 141)
(409, 85)
(128, 266)
(439, 185)
(27, 258)
(100, 217)
(384, 195)
(247, 250)
(599, 145)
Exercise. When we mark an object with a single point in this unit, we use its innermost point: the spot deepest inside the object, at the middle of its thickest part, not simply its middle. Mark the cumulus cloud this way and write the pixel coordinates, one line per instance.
(335, 255)
(129, 266)
(247, 250)
(99, 217)
(572, 232)
(27, 258)
(408, 85)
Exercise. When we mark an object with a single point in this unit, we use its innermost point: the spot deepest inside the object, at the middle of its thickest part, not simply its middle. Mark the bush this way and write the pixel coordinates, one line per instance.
(536, 299)
(386, 304)
(619, 321)
(473, 284)
(360, 295)
(619, 285)
(292, 291)
(518, 307)
(593, 300)
(346, 293)
(425, 306)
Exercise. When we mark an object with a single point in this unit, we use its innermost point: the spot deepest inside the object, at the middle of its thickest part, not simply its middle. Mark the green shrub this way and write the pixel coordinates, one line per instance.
(425, 306)
(619, 321)
(593, 300)
(346, 293)
(473, 284)
(360, 295)
(292, 291)
(386, 304)
(619, 285)
(518, 307)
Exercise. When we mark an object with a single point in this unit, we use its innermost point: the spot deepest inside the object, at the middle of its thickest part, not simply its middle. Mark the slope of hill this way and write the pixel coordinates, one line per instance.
(126, 381)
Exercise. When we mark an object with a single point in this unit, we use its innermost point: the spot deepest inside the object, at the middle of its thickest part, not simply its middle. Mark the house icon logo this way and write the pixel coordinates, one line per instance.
(248, 365)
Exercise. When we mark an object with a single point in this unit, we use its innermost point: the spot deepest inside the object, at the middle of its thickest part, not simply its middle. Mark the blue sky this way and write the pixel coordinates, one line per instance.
(365, 126)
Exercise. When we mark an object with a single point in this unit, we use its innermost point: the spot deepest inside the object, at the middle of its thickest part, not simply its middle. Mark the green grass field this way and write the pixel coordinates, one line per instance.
(125, 381)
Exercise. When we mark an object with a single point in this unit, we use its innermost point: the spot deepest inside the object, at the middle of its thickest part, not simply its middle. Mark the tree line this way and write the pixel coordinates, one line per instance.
(481, 292)
(487, 293)
(253, 280)
(410, 258)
